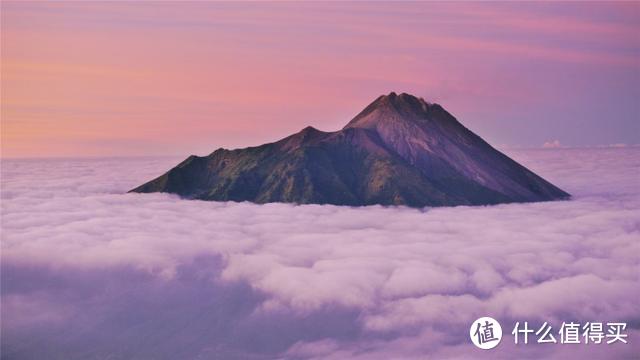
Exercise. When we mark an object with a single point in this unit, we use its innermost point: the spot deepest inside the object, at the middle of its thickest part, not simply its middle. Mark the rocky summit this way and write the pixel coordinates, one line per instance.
(400, 150)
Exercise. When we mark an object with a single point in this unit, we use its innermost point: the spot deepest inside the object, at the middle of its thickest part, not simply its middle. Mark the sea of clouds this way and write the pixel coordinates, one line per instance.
(89, 272)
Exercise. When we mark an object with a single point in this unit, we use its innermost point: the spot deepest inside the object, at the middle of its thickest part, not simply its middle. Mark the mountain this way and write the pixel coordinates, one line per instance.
(400, 150)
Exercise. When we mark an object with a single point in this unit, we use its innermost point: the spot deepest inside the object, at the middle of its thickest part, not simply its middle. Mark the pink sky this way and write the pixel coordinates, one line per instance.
(112, 78)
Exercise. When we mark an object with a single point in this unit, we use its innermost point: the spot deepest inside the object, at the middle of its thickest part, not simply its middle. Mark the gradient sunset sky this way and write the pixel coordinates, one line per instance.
(165, 78)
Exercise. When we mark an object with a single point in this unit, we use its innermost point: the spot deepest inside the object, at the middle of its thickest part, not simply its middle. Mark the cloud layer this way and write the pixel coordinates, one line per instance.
(88, 271)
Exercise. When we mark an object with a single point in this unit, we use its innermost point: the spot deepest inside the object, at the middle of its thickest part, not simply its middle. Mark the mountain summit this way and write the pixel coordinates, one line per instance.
(400, 150)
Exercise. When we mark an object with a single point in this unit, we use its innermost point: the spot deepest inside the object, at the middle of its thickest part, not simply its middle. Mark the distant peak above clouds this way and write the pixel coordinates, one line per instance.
(399, 150)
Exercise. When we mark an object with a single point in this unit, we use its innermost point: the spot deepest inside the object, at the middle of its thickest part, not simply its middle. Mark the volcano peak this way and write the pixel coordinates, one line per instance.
(391, 107)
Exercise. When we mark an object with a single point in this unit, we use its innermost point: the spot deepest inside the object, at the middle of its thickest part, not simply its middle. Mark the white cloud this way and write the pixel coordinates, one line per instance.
(552, 144)
(324, 281)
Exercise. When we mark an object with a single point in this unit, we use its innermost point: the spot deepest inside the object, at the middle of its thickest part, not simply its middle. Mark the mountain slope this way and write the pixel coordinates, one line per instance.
(400, 150)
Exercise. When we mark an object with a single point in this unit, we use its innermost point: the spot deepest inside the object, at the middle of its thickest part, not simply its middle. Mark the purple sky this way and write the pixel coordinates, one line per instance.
(121, 78)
